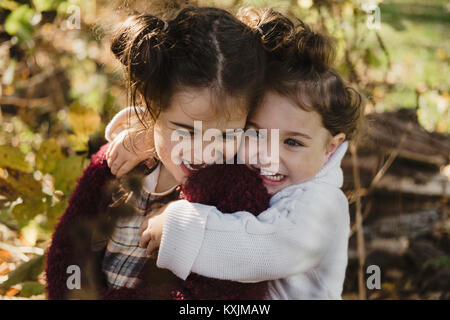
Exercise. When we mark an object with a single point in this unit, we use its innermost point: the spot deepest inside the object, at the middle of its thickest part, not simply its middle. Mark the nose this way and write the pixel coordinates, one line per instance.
(220, 151)
(191, 152)
(269, 152)
(269, 162)
(210, 148)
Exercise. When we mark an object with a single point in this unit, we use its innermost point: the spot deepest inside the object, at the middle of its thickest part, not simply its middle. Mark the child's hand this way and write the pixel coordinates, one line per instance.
(151, 230)
(139, 148)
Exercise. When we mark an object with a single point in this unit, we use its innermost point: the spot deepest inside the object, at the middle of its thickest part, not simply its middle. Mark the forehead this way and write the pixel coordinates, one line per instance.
(280, 112)
(206, 105)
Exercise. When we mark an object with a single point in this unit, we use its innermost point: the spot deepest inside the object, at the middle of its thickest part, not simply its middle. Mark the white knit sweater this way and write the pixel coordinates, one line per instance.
(300, 243)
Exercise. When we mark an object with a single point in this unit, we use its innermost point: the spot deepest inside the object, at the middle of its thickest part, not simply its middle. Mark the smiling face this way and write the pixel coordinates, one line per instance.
(188, 106)
(304, 144)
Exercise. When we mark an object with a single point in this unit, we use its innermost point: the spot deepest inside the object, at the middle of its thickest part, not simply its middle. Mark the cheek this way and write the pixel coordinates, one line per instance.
(304, 167)
(248, 150)
(165, 149)
(171, 149)
(163, 143)
(159, 140)
(231, 147)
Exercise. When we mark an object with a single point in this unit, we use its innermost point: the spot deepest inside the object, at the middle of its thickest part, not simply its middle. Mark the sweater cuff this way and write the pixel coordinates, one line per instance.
(115, 123)
(121, 121)
(182, 237)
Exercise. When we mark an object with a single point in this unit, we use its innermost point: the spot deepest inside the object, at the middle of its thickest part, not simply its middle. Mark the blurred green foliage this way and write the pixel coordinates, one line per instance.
(58, 88)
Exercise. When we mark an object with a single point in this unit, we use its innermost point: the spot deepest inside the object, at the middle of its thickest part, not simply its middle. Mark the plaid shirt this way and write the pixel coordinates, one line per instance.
(124, 258)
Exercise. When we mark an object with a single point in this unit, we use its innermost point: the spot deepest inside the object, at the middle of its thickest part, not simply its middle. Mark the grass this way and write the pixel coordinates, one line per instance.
(416, 36)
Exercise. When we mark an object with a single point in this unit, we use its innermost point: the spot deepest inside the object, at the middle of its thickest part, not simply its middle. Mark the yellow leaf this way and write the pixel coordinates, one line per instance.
(12, 157)
(67, 172)
(84, 121)
(30, 208)
(24, 183)
(48, 156)
(78, 143)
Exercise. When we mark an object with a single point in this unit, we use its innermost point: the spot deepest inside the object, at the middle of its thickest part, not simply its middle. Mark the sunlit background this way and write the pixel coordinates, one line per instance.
(59, 86)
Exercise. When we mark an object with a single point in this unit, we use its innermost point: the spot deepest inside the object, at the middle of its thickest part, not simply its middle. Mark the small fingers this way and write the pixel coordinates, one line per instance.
(112, 155)
(145, 238)
(116, 166)
(155, 209)
(144, 225)
(108, 150)
(125, 168)
(151, 250)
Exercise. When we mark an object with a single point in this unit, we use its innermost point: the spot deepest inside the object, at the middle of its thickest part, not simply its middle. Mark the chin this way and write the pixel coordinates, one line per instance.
(272, 189)
(181, 177)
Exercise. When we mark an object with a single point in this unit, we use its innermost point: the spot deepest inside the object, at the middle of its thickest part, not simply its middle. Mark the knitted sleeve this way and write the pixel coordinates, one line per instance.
(123, 120)
(290, 237)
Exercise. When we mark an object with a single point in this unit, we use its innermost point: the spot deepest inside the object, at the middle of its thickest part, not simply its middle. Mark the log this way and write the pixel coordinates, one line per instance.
(385, 130)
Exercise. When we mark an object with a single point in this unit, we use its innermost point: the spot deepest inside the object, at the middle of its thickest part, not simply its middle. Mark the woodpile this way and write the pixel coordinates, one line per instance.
(419, 159)
(404, 186)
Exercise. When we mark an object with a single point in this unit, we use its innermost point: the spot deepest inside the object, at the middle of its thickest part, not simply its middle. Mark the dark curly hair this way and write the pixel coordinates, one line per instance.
(199, 47)
(300, 68)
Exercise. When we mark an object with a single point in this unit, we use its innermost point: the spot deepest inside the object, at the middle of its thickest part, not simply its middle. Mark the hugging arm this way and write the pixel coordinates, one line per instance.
(280, 242)
(130, 142)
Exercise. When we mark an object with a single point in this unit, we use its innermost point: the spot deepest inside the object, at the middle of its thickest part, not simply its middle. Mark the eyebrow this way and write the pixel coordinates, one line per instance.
(251, 124)
(186, 126)
(296, 133)
(289, 133)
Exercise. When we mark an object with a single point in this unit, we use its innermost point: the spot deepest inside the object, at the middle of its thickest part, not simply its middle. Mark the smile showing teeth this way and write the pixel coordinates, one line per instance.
(272, 176)
(267, 173)
(276, 177)
(193, 167)
(188, 165)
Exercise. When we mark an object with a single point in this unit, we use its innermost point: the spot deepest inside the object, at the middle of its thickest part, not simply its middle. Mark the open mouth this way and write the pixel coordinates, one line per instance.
(269, 176)
(193, 167)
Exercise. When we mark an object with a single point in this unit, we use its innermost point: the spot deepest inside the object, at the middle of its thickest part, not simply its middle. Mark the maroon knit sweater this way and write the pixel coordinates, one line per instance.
(228, 187)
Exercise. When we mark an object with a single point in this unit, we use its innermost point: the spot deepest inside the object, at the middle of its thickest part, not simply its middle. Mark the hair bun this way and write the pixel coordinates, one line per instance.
(314, 49)
(276, 31)
(138, 39)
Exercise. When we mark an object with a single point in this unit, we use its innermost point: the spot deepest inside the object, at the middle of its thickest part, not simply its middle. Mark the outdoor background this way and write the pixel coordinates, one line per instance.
(60, 85)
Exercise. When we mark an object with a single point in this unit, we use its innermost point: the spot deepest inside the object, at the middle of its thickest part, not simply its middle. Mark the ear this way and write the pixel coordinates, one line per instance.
(333, 144)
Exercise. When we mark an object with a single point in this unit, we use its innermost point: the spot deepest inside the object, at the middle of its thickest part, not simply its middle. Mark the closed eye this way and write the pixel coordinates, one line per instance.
(231, 135)
(184, 132)
(254, 133)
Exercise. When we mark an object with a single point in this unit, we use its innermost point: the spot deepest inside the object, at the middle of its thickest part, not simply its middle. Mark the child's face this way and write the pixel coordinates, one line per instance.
(304, 144)
(191, 105)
